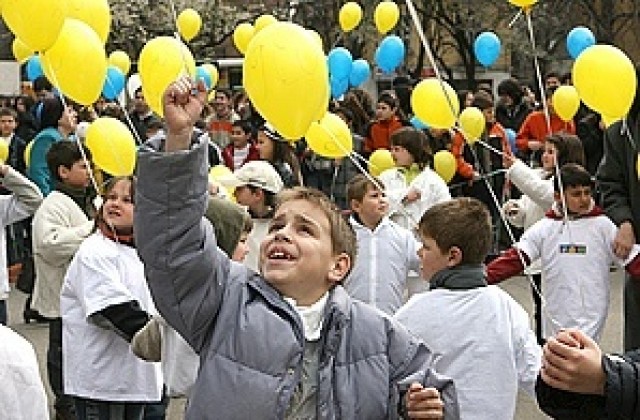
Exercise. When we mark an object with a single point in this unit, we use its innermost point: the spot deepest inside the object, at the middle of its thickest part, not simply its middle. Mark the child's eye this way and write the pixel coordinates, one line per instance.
(306, 229)
(275, 226)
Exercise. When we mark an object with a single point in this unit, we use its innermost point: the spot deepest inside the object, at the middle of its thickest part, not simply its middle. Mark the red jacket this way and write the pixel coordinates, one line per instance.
(534, 128)
(227, 155)
(379, 133)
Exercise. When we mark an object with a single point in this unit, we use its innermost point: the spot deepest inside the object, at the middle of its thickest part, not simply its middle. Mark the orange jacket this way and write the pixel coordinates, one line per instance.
(466, 169)
(534, 128)
(379, 133)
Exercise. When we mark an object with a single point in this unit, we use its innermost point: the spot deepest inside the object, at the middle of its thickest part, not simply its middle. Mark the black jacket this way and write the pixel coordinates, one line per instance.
(621, 399)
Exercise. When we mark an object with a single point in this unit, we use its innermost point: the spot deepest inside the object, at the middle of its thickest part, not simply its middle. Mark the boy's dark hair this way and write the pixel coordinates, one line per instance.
(416, 143)
(246, 126)
(462, 222)
(42, 84)
(566, 78)
(572, 175)
(225, 92)
(343, 238)
(389, 99)
(482, 100)
(548, 92)
(511, 88)
(269, 197)
(569, 148)
(8, 112)
(552, 74)
(64, 153)
(346, 112)
(359, 185)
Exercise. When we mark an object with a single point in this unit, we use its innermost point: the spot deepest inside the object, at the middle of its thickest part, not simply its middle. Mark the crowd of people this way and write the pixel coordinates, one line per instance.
(294, 286)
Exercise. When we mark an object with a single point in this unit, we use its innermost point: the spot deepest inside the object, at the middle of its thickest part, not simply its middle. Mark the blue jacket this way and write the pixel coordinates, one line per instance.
(250, 340)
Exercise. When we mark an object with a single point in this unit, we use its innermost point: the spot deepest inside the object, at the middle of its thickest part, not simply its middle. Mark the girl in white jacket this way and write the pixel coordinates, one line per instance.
(412, 187)
(536, 186)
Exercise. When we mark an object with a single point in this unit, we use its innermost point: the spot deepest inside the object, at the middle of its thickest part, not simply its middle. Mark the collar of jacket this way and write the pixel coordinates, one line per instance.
(556, 212)
(356, 223)
(461, 277)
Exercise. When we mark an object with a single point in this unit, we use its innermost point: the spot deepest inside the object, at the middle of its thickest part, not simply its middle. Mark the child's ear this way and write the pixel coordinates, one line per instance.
(455, 256)
(354, 204)
(63, 172)
(339, 269)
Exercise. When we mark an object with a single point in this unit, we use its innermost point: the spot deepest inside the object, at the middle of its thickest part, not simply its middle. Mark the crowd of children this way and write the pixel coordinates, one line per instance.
(290, 309)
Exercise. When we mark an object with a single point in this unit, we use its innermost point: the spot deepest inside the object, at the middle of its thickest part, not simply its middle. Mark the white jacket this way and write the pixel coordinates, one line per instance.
(22, 394)
(22, 203)
(59, 227)
(482, 340)
(432, 188)
(385, 256)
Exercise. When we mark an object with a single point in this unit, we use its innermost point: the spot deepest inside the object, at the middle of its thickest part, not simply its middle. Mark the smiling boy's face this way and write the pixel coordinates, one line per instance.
(296, 256)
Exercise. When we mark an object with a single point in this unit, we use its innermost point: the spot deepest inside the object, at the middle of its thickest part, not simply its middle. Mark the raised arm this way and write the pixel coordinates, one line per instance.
(184, 268)
(25, 197)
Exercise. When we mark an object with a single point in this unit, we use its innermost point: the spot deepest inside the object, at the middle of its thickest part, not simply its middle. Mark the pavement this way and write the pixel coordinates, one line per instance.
(518, 287)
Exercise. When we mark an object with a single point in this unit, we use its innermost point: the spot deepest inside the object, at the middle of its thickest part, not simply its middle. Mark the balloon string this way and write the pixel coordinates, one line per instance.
(545, 106)
(490, 147)
(535, 288)
(77, 139)
(515, 19)
(136, 136)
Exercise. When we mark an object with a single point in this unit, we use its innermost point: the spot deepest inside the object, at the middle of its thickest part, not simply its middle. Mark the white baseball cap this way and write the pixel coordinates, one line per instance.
(257, 173)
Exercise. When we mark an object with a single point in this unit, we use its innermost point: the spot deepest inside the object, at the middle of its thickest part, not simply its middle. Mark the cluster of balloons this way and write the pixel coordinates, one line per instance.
(486, 48)
(345, 72)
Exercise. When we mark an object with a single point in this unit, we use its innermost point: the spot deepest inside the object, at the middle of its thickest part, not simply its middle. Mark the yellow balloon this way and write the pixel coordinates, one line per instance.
(20, 51)
(380, 161)
(431, 106)
(330, 137)
(595, 73)
(242, 36)
(444, 163)
(77, 63)
(112, 146)
(95, 13)
(523, 3)
(264, 21)
(162, 60)
(285, 75)
(315, 36)
(121, 60)
(27, 153)
(566, 102)
(213, 73)
(37, 23)
(4, 150)
(472, 123)
(189, 24)
(386, 16)
(350, 16)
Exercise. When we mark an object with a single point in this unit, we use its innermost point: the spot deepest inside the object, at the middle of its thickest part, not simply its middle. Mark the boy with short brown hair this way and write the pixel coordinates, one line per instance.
(471, 327)
(283, 344)
(386, 250)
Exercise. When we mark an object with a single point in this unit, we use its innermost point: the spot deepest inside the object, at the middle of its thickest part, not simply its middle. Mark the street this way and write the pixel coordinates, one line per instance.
(517, 287)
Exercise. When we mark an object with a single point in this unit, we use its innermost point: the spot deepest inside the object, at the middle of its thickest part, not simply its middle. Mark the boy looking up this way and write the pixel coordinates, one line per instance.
(386, 250)
(470, 327)
(286, 343)
(575, 256)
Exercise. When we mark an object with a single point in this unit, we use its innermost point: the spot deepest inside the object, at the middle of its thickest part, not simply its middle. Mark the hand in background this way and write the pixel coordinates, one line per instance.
(624, 240)
(424, 403)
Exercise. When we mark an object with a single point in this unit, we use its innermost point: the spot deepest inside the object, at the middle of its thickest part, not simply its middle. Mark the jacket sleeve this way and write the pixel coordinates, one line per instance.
(463, 168)
(527, 352)
(185, 270)
(414, 364)
(59, 241)
(24, 200)
(525, 134)
(567, 405)
(505, 266)
(539, 190)
(622, 393)
(38, 171)
(614, 177)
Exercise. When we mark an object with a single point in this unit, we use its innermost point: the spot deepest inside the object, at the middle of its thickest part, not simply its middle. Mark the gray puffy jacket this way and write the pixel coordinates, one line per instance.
(250, 341)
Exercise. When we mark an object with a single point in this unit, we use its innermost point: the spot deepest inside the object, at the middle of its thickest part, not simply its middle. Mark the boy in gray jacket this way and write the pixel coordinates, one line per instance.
(288, 343)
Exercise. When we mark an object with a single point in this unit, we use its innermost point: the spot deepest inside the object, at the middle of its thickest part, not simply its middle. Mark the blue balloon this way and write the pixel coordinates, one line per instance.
(338, 86)
(113, 83)
(360, 72)
(487, 48)
(511, 136)
(390, 53)
(578, 40)
(340, 61)
(202, 73)
(34, 68)
(417, 124)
